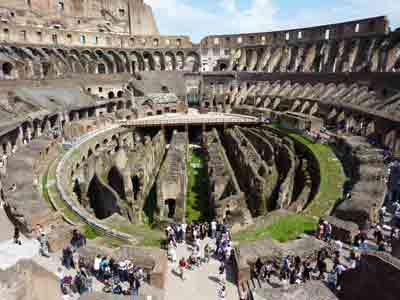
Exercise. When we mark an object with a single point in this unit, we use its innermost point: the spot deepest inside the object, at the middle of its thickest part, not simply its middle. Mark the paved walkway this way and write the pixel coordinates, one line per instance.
(199, 284)
(11, 253)
(7, 228)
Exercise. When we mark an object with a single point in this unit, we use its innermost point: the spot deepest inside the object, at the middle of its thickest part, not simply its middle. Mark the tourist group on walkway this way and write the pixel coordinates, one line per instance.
(192, 235)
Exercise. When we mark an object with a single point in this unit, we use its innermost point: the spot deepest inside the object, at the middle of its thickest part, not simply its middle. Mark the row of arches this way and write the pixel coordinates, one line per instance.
(351, 55)
(28, 62)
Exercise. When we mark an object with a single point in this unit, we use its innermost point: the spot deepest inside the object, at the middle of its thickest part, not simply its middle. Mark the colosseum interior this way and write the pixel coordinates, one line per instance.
(112, 129)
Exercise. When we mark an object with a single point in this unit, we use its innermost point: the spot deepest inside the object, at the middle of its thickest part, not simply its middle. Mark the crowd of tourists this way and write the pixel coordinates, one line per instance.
(118, 277)
(192, 235)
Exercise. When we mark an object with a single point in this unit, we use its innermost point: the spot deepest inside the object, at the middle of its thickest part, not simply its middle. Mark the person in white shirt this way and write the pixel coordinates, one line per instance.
(338, 247)
(183, 227)
(213, 228)
(96, 264)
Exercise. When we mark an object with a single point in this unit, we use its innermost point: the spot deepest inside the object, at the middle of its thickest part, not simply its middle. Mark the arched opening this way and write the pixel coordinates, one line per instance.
(101, 68)
(116, 181)
(171, 205)
(111, 95)
(77, 190)
(102, 200)
(7, 68)
(136, 186)
(90, 153)
(120, 94)
(46, 68)
(223, 67)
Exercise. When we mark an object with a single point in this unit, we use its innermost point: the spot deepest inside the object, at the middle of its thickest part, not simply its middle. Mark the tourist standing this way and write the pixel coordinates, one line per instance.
(213, 228)
(135, 285)
(17, 236)
(183, 228)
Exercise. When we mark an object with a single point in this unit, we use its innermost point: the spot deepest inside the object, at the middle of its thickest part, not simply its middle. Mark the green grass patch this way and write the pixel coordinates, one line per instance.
(332, 177)
(90, 232)
(197, 203)
(144, 234)
(282, 229)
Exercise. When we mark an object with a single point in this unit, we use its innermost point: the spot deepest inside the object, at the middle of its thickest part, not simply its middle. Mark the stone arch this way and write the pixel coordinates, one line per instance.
(107, 59)
(103, 201)
(159, 61)
(91, 60)
(111, 95)
(148, 61)
(125, 60)
(180, 60)
(75, 53)
(117, 61)
(170, 204)
(137, 61)
(120, 94)
(116, 181)
(223, 67)
(101, 68)
(170, 61)
(7, 69)
(192, 62)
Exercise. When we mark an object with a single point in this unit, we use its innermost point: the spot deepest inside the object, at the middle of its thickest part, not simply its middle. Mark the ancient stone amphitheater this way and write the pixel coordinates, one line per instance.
(112, 128)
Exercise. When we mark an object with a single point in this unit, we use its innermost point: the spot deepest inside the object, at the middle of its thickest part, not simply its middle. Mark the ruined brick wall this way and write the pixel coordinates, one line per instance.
(249, 168)
(226, 197)
(266, 151)
(124, 16)
(376, 278)
(172, 179)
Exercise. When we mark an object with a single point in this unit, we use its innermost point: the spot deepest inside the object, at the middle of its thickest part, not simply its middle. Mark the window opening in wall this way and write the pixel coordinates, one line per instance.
(155, 42)
(78, 21)
(239, 39)
(251, 39)
(7, 68)
(69, 38)
(95, 40)
(131, 41)
(287, 36)
(121, 12)
(39, 35)
(6, 33)
(54, 38)
(327, 34)
(82, 39)
(89, 90)
(357, 28)
(23, 35)
(300, 35)
(29, 3)
(100, 89)
(12, 14)
(167, 42)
